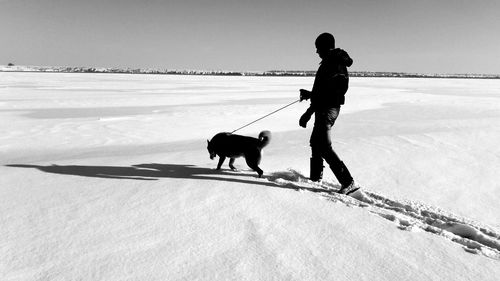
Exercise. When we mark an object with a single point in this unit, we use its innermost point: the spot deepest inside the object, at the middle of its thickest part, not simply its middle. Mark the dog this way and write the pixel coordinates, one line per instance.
(234, 146)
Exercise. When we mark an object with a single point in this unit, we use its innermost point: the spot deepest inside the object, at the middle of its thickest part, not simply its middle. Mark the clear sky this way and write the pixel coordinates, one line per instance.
(441, 36)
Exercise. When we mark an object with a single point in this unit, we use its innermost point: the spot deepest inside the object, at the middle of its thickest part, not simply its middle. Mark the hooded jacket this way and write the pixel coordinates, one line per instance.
(331, 81)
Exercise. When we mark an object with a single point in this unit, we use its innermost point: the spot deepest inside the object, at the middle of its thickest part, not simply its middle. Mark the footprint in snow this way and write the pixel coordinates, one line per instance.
(407, 215)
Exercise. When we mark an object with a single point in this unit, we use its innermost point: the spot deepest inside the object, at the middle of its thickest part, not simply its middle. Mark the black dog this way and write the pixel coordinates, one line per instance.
(233, 146)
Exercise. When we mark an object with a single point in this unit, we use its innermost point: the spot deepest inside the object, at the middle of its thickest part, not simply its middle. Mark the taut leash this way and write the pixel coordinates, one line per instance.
(266, 115)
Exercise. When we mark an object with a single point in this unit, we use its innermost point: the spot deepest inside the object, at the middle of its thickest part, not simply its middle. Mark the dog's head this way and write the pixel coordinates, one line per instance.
(211, 150)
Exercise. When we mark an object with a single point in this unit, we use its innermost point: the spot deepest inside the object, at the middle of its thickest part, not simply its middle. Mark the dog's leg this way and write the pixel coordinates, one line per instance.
(231, 162)
(258, 170)
(221, 161)
(253, 163)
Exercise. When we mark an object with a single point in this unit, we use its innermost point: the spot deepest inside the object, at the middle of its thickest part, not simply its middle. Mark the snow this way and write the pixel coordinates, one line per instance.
(107, 177)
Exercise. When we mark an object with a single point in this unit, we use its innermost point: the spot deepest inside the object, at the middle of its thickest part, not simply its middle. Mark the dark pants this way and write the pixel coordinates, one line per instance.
(321, 145)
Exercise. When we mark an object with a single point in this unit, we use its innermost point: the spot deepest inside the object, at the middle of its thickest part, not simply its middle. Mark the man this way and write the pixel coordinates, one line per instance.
(327, 95)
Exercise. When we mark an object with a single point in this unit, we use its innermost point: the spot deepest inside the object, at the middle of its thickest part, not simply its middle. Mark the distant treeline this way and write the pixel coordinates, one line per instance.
(284, 73)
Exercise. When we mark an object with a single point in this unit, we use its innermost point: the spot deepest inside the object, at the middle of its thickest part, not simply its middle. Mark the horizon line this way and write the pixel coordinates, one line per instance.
(273, 72)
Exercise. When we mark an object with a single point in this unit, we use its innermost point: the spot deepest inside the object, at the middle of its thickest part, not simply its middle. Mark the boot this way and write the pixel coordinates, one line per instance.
(349, 189)
(316, 169)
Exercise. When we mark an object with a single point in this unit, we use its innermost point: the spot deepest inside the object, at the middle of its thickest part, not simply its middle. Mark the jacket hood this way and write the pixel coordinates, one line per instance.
(340, 56)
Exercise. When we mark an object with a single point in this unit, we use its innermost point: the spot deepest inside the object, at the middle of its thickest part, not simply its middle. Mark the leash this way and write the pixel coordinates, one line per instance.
(266, 115)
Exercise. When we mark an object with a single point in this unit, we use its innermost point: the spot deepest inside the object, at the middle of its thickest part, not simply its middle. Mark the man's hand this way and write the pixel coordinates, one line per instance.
(304, 119)
(304, 94)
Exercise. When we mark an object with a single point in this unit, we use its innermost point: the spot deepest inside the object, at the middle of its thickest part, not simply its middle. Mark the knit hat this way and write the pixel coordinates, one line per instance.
(325, 41)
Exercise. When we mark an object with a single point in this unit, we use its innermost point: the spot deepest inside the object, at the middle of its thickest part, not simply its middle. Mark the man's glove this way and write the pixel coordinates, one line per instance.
(304, 94)
(305, 118)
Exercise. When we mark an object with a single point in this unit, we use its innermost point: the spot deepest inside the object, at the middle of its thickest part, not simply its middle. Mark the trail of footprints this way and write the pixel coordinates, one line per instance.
(407, 215)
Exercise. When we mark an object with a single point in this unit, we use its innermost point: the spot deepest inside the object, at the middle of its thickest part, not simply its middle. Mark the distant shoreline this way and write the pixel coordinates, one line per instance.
(270, 73)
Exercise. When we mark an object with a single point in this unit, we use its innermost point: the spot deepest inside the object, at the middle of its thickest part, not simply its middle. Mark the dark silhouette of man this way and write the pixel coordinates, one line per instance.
(327, 95)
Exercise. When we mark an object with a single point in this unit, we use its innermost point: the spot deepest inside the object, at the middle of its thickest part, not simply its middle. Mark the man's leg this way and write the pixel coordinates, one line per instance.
(321, 146)
(316, 161)
(316, 165)
(338, 167)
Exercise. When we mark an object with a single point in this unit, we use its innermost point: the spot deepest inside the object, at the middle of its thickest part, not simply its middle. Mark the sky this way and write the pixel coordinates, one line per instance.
(442, 36)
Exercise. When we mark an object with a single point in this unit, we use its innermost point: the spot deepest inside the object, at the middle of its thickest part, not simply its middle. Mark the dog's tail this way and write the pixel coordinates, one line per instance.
(264, 138)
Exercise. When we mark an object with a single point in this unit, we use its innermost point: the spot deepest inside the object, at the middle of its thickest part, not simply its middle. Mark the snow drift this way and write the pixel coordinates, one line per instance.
(107, 177)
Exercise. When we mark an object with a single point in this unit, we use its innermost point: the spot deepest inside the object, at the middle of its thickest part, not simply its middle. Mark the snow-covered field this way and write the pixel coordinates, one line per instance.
(107, 177)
